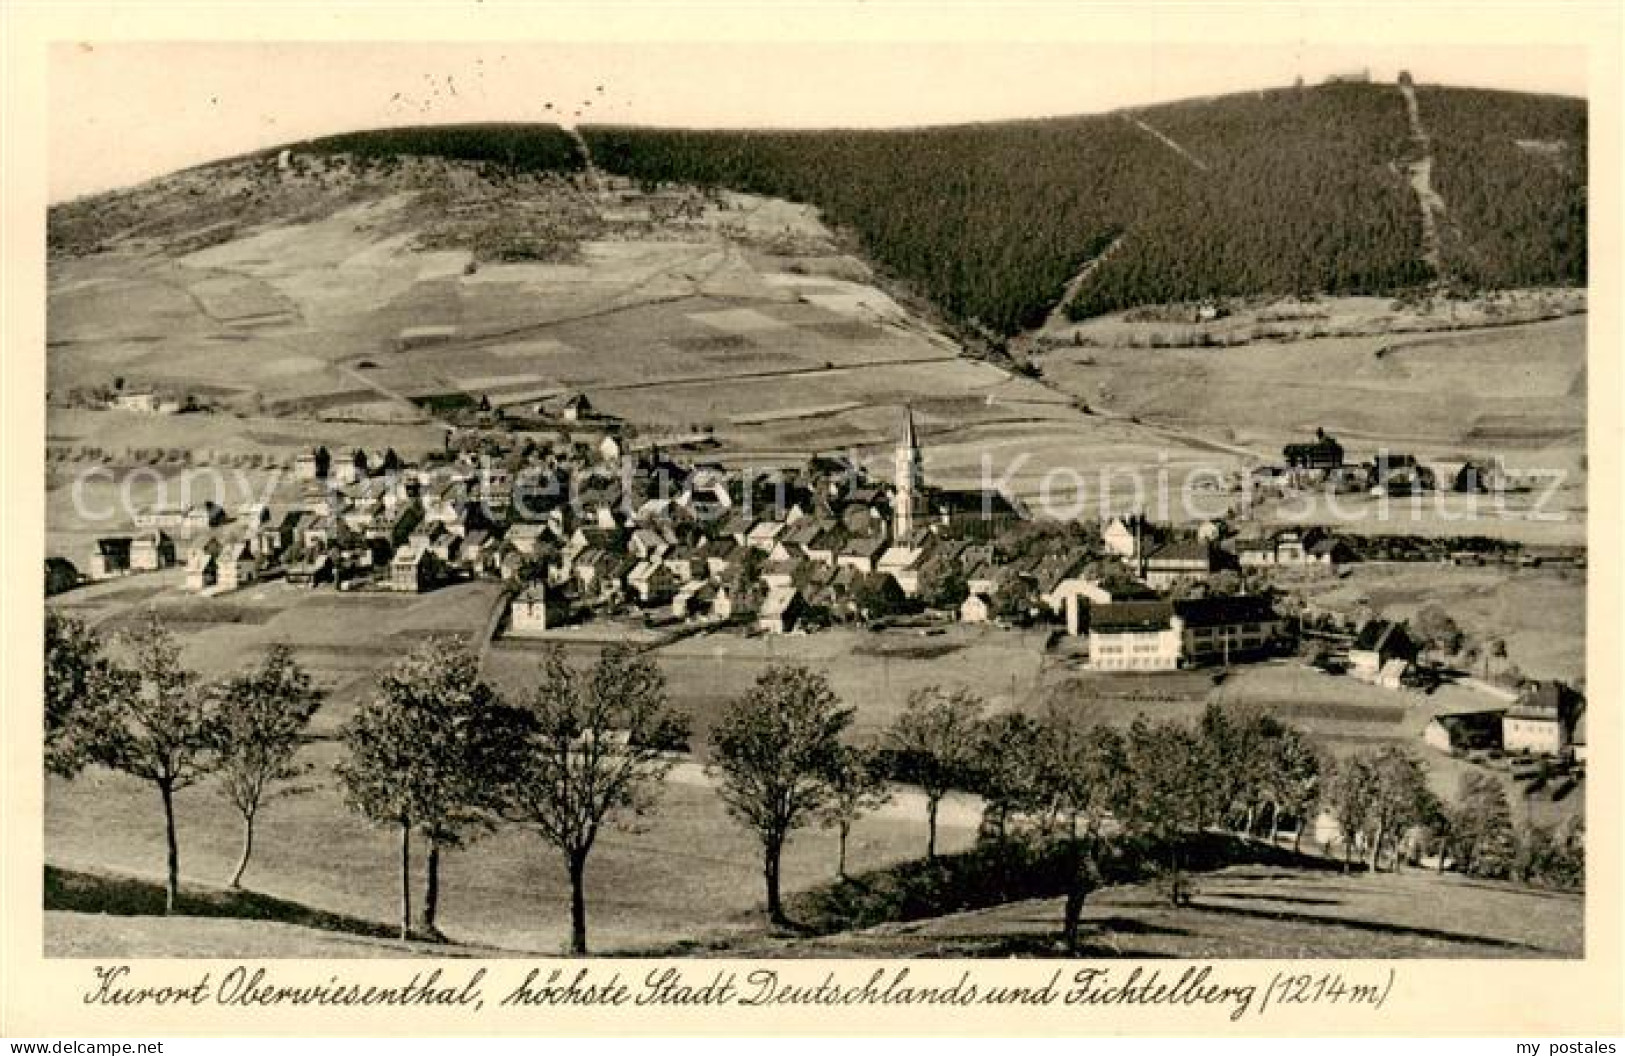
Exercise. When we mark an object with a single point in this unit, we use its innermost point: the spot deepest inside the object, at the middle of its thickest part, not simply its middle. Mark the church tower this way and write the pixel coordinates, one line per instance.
(907, 497)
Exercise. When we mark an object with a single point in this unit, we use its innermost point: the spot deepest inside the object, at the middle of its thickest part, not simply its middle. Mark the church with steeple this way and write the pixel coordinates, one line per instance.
(906, 498)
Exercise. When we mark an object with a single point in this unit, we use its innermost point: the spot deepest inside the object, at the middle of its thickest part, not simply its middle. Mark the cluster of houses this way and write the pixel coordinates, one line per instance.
(1322, 463)
(583, 528)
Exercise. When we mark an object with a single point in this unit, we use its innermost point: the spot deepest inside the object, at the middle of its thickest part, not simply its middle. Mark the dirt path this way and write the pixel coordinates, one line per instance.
(1421, 176)
(594, 176)
(1166, 141)
(1057, 315)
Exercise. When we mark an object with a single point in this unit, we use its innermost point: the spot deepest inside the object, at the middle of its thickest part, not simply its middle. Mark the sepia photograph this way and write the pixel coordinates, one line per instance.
(702, 501)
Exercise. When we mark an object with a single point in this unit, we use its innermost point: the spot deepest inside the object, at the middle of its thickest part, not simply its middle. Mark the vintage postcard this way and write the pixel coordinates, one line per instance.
(841, 519)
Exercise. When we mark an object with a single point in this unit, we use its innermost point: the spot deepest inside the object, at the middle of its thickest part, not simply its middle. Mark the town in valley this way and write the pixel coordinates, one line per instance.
(480, 518)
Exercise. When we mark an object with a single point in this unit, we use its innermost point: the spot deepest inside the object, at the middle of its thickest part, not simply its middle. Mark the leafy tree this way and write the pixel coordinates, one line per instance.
(1169, 789)
(1007, 768)
(1482, 834)
(81, 687)
(1294, 782)
(592, 757)
(857, 786)
(1400, 799)
(943, 585)
(1438, 631)
(878, 594)
(1013, 600)
(60, 575)
(937, 733)
(777, 748)
(159, 726)
(1081, 782)
(262, 720)
(433, 750)
(1351, 793)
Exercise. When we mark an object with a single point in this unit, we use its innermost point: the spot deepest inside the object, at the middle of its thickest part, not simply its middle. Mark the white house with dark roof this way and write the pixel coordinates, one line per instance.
(1544, 719)
(1167, 635)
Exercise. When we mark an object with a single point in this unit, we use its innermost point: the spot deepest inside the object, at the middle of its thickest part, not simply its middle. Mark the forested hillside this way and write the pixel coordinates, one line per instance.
(1512, 171)
(518, 147)
(1292, 190)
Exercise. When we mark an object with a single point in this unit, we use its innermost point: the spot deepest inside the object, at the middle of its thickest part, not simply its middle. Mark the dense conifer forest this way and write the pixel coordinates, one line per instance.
(1512, 171)
(518, 147)
(1295, 190)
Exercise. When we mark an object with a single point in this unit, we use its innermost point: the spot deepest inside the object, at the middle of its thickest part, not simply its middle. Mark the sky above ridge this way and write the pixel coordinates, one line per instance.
(119, 113)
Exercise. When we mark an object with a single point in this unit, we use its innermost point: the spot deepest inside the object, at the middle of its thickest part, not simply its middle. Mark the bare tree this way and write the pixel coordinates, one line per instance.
(262, 721)
(592, 757)
(937, 736)
(777, 748)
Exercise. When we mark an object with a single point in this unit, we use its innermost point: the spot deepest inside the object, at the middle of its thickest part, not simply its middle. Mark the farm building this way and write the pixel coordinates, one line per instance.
(903, 561)
(311, 572)
(732, 599)
(982, 513)
(1323, 453)
(1544, 719)
(1466, 731)
(152, 551)
(781, 610)
(112, 557)
(1480, 477)
(1381, 654)
(161, 517)
(531, 612)
(203, 516)
(237, 566)
(202, 569)
(412, 569)
(692, 599)
(1165, 635)
(1074, 596)
(1293, 548)
(576, 407)
(976, 608)
(1182, 559)
(311, 465)
(142, 403)
(861, 552)
(424, 337)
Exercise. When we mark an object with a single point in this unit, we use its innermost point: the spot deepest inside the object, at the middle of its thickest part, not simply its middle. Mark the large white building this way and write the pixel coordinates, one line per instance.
(1168, 635)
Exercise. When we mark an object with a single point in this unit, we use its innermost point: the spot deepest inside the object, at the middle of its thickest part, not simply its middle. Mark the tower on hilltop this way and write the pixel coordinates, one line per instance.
(907, 496)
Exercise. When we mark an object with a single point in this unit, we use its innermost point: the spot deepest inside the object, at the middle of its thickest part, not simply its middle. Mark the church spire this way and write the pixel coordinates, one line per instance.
(907, 480)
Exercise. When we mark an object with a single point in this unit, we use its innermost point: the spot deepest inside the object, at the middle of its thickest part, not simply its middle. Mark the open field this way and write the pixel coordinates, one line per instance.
(341, 639)
(1518, 390)
(687, 868)
(1540, 613)
(871, 672)
(1264, 912)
